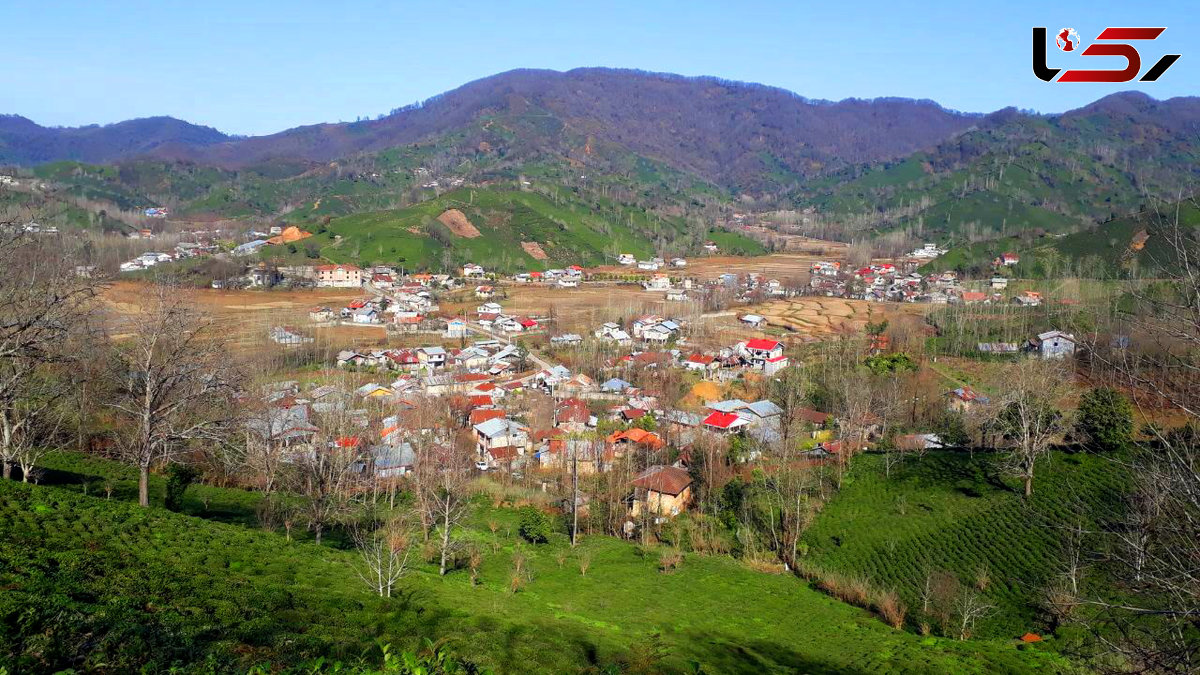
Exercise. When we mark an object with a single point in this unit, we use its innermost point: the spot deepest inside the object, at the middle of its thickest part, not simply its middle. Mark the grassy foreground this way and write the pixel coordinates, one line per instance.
(103, 585)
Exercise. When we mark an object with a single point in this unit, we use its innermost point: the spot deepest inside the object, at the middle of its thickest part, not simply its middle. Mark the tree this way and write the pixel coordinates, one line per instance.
(179, 477)
(174, 379)
(534, 526)
(44, 304)
(384, 547)
(1027, 414)
(1105, 419)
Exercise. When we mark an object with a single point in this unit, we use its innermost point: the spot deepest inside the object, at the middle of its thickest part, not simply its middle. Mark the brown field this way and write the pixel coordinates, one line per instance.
(243, 317)
(456, 221)
(818, 317)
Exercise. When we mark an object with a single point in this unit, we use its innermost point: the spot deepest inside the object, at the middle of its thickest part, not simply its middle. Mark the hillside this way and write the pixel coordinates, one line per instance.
(223, 596)
(1021, 172)
(490, 225)
(1135, 245)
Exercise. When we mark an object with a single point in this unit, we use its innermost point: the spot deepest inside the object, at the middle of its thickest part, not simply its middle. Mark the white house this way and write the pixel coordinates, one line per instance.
(659, 282)
(626, 259)
(473, 270)
(1054, 344)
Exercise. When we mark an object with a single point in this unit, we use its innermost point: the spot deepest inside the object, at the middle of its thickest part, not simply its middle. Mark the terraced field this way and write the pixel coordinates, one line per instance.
(821, 316)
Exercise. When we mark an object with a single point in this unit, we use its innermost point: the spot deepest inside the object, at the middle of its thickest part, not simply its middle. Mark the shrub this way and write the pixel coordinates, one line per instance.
(891, 609)
(535, 525)
(179, 477)
(670, 560)
(1105, 418)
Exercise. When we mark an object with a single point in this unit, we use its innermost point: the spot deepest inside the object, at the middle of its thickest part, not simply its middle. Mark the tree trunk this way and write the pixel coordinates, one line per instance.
(1028, 485)
(144, 486)
(7, 469)
(445, 542)
(317, 530)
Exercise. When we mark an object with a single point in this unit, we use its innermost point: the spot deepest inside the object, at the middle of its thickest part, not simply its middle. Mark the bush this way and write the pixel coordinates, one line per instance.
(535, 525)
(179, 477)
(1105, 418)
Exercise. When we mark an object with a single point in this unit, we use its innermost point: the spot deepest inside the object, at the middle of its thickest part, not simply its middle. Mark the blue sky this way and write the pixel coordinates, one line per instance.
(260, 67)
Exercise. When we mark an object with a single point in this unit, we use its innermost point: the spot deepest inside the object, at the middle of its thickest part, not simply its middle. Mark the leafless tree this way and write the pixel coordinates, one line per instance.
(174, 379)
(384, 547)
(43, 304)
(1028, 415)
(970, 607)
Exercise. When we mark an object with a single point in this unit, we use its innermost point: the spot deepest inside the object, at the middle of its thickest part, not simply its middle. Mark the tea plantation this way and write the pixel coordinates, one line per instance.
(98, 584)
(950, 512)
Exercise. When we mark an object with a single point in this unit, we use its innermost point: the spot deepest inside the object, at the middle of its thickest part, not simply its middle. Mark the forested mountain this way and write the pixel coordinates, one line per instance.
(733, 133)
(23, 141)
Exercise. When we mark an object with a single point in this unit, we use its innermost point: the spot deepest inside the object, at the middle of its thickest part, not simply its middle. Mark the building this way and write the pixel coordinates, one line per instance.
(662, 491)
(1054, 344)
(339, 276)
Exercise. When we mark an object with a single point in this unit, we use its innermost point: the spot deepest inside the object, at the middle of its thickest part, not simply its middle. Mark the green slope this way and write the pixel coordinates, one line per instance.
(948, 512)
(157, 589)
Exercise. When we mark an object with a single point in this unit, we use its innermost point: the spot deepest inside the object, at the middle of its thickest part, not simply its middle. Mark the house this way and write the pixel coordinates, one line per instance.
(760, 350)
(288, 336)
(620, 442)
(568, 282)
(753, 320)
(373, 390)
(615, 386)
(998, 347)
(434, 357)
(647, 265)
(1007, 260)
(711, 247)
(321, 314)
(484, 292)
(392, 460)
(661, 490)
(678, 262)
(456, 328)
(472, 270)
(677, 295)
(566, 340)
(626, 259)
(965, 399)
(1054, 344)
(613, 332)
(724, 422)
(365, 315)
(339, 276)
(974, 297)
(999, 283)
(918, 442)
(703, 363)
(489, 308)
(1028, 299)
(658, 282)
(501, 434)
(382, 280)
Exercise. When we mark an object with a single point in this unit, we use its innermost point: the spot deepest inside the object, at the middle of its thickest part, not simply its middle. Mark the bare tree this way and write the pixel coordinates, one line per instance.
(384, 547)
(1028, 415)
(970, 607)
(174, 379)
(445, 483)
(43, 304)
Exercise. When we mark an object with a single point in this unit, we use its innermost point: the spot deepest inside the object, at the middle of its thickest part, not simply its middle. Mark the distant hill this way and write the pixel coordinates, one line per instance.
(736, 134)
(24, 142)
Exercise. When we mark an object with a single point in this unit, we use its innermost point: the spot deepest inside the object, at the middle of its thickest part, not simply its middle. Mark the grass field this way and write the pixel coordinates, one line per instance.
(214, 594)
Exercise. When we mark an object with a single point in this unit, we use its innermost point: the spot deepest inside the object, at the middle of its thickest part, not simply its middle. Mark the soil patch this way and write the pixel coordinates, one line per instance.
(534, 250)
(456, 221)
